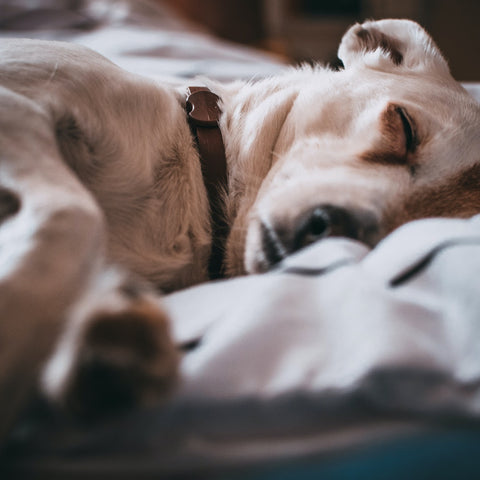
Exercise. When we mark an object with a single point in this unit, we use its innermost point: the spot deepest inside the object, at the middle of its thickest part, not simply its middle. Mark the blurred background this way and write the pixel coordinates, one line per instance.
(308, 30)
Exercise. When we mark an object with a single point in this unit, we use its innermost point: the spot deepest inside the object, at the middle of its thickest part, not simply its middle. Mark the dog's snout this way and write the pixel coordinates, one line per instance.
(287, 236)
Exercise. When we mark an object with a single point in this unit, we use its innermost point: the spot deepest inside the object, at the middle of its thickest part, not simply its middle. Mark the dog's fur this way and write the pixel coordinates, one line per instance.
(102, 198)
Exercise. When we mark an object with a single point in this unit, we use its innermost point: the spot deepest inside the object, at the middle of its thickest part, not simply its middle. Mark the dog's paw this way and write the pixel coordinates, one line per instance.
(115, 359)
(127, 358)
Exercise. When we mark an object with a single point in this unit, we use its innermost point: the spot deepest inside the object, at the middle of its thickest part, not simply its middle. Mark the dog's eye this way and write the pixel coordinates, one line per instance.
(398, 138)
(408, 129)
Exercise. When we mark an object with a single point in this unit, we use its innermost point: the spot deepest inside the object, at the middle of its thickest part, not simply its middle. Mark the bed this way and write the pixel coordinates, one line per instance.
(343, 362)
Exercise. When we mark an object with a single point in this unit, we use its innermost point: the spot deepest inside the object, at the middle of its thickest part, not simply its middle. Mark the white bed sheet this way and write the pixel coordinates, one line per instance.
(337, 348)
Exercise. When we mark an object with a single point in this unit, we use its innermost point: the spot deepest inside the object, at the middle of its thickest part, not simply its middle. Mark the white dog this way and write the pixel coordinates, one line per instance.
(102, 199)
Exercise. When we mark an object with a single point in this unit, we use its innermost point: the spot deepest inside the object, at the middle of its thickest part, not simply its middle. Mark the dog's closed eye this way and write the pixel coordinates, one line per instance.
(409, 129)
(398, 138)
(399, 133)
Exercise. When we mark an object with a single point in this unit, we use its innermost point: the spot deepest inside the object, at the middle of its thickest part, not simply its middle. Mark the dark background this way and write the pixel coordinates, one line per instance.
(311, 29)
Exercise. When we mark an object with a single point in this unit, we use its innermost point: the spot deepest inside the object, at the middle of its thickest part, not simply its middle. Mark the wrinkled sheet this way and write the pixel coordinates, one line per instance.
(338, 347)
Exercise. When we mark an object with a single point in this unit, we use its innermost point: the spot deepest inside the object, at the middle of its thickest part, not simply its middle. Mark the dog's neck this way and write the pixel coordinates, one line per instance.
(249, 140)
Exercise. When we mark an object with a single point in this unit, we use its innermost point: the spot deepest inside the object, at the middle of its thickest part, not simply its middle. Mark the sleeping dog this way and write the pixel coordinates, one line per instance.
(103, 201)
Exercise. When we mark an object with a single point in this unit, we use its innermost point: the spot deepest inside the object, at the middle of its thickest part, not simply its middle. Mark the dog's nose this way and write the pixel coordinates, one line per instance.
(281, 239)
(323, 221)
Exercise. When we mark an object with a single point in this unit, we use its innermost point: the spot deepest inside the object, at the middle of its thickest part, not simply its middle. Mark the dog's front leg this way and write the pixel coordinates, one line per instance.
(55, 291)
(51, 236)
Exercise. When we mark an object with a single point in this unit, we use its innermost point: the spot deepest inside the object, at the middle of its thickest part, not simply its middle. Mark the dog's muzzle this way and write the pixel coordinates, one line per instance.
(281, 238)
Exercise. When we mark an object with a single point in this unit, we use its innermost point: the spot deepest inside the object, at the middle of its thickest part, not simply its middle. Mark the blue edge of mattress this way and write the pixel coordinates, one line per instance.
(450, 454)
(453, 454)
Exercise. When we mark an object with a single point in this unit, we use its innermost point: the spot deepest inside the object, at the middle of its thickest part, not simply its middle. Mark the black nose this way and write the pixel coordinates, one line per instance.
(314, 224)
(323, 221)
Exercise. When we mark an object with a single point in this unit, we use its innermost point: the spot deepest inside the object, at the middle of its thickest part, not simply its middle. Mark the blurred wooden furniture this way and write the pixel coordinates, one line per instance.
(236, 20)
(312, 29)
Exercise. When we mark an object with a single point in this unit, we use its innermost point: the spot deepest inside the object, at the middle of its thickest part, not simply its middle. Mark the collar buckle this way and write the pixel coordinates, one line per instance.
(202, 108)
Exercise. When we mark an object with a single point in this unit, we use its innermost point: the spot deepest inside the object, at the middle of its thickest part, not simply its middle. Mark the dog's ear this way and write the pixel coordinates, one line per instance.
(391, 44)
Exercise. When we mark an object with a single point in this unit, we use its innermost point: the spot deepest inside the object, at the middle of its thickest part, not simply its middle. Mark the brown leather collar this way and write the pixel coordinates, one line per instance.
(203, 114)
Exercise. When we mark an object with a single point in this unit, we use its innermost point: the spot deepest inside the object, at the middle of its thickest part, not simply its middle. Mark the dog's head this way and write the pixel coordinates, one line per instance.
(388, 139)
